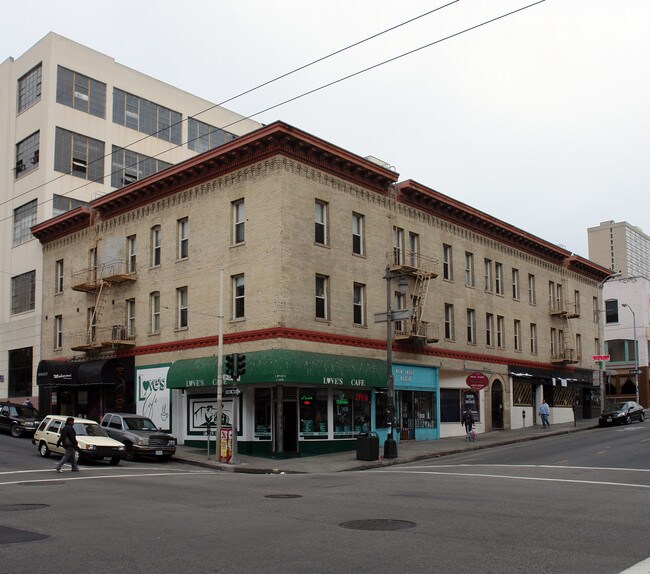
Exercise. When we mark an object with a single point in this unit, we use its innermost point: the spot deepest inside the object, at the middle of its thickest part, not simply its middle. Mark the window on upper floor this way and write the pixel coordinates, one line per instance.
(358, 238)
(489, 329)
(532, 295)
(238, 221)
(449, 322)
(320, 223)
(58, 276)
(414, 250)
(516, 331)
(154, 312)
(501, 334)
(238, 295)
(131, 254)
(321, 296)
(359, 304)
(80, 92)
(156, 246)
(128, 166)
(533, 338)
(24, 220)
(183, 232)
(63, 203)
(447, 263)
(147, 117)
(58, 332)
(181, 308)
(498, 278)
(469, 269)
(78, 155)
(203, 137)
(27, 155)
(611, 311)
(130, 318)
(398, 246)
(515, 284)
(23, 292)
(29, 88)
(487, 275)
(471, 326)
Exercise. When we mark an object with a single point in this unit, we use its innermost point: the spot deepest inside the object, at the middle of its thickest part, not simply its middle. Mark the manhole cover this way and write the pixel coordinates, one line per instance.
(13, 535)
(379, 524)
(19, 507)
(44, 483)
(283, 496)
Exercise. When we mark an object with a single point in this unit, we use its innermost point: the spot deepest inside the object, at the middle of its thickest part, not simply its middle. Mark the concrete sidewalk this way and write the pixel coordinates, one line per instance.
(408, 451)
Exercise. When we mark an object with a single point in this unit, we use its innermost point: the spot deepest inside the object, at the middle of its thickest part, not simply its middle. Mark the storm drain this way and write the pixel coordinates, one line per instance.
(378, 524)
(21, 507)
(15, 536)
(283, 496)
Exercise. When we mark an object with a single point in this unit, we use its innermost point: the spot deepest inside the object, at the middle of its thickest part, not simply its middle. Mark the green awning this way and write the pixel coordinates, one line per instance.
(284, 366)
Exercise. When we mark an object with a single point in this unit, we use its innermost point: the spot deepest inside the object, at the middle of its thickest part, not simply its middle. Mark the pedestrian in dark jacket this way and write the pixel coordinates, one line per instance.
(468, 421)
(68, 438)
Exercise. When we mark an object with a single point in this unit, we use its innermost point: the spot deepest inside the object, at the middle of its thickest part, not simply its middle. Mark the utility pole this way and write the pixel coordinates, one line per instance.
(220, 368)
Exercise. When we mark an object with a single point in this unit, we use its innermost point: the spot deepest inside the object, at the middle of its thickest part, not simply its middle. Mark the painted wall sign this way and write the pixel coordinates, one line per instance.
(477, 381)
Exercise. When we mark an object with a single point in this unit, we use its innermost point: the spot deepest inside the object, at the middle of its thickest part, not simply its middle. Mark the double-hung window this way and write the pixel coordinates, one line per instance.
(498, 278)
(131, 261)
(358, 304)
(533, 338)
(238, 294)
(358, 234)
(183, 226)
(181, 304)
(130, 318)
(532, 295)
(517, 334)
(469, 269)
(471, 326)
(320, 222)
(449, 322)
(58, 276)
(414, 250)
(515, 284)
(398, 246)
(487, 273)
(321, 293)
(238, 222)
(447, 263)
(58, 332)
(489, 329)
(156, 248)
(501, 336)
(154, 306)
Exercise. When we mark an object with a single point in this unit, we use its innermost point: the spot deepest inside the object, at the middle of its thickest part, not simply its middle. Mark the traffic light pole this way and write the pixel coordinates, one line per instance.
(219, 369)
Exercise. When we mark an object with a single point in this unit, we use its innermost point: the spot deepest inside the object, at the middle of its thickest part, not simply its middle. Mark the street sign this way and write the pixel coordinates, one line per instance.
(601, 357)
(231, 392)
(635, 371)
(477, 381)
(397, 315)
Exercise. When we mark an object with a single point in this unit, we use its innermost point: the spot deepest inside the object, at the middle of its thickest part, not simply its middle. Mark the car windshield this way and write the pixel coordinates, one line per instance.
(617, 407)
(30, 412)
(139, 424)
(89, 429)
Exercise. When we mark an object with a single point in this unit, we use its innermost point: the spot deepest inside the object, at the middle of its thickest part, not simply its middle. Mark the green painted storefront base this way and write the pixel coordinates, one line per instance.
(307, 448)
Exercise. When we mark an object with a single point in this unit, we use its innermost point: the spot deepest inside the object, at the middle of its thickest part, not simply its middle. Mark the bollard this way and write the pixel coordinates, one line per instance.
(523, 416)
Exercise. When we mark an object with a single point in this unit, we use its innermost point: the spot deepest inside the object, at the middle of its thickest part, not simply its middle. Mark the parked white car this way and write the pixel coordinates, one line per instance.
(93, 442)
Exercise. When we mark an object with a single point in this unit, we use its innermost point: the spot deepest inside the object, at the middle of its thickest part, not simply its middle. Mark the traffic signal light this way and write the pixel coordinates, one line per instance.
(240, 361)
(230, 365)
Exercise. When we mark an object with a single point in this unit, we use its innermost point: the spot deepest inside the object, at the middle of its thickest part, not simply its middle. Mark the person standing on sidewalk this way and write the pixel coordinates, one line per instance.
(544, 411)
(468, 421)
(68, 438)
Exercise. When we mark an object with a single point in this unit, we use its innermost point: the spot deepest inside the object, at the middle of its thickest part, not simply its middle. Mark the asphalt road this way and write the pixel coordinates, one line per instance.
(574, 503)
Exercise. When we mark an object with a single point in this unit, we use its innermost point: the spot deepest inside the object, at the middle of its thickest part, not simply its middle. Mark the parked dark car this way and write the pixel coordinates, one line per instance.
(19, 419)
(621, 413)
(140, 435)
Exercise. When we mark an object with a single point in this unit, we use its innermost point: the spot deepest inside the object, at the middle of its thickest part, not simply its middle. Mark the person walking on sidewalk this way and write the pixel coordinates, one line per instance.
(68, 438)
(468, 421)
(544, 411)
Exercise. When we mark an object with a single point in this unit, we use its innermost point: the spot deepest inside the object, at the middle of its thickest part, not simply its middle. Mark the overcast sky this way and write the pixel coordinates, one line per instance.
(541, 119)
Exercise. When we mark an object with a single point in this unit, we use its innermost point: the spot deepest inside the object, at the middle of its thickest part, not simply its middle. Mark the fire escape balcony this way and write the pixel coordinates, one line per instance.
(89, 280)
(115, 336)
(416, 332)
(413, 264)
(562, 308)
(565, 357)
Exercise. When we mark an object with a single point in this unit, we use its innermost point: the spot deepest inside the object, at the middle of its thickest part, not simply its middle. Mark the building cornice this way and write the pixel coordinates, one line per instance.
(64, 224)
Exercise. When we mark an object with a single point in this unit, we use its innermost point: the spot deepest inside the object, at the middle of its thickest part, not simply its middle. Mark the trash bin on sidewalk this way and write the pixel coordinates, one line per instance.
(368, 446)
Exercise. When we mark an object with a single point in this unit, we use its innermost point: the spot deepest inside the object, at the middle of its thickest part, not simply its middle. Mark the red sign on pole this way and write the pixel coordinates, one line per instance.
(477, 381)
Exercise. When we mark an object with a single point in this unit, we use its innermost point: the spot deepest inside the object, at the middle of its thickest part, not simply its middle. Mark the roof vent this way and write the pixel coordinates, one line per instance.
(380, 162)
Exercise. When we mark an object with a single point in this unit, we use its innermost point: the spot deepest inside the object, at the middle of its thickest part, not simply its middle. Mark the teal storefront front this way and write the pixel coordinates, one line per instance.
(293, 403)
(418, 403)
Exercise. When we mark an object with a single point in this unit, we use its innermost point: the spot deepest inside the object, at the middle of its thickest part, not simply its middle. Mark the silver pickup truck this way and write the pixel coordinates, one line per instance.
(140, 435)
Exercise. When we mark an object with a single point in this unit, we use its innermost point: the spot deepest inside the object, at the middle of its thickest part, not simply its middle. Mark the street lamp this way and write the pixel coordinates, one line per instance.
(601, 335)
(390, 446)
(636, 352)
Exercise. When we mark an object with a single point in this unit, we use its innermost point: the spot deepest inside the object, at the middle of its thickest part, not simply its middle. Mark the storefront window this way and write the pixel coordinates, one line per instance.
(351, 413)
(425, 410)
(313, 413)
(453, 402)
(263, 414)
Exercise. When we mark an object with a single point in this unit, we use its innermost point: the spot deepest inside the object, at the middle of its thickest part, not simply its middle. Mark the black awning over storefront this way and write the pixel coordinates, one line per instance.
(71, 373)
(577, 377)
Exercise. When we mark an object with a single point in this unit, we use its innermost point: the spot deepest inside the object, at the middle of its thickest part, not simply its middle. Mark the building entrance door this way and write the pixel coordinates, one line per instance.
(497, 405)
(289, 425)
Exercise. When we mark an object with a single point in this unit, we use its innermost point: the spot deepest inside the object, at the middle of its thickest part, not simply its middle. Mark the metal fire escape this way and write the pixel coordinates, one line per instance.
(566, 352)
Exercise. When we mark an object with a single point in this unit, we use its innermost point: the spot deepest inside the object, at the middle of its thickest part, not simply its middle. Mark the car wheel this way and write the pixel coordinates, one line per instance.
(15, 431)
(115, 460)
(130, 452)
(43, 450)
